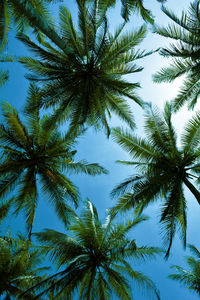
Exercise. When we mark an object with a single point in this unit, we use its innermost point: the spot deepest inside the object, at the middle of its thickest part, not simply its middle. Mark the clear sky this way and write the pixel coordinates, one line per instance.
(95, 147)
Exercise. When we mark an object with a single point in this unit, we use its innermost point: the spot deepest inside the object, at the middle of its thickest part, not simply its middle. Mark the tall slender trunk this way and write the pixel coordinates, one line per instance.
(192, 189)
(37, 21)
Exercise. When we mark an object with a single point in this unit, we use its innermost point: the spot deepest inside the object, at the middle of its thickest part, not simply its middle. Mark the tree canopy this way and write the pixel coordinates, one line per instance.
(87, 85)
(184, 52)
(31, 152)
(94, 258)
(83, 75)
(163, 169)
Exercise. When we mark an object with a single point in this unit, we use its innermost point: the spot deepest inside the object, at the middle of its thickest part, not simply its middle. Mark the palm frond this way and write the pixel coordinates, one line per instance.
(3, 77)
(137, 147)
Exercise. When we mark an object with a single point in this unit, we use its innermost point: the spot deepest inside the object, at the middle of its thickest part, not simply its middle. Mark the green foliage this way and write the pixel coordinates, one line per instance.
(185, 53)
(163, 169)
(95, 258)
(3, 77)
(12, 12)
(19, 270)
(4, 74)
(189, 278)
(86, 85)
(130, 7)
(31, 152)
(4, 209)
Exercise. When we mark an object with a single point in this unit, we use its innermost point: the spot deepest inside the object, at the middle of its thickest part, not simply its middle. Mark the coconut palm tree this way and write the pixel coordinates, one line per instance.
(87, 84)
(30, 153)
(94, 258)
(164, 168)
(19, 267)
(189, 278)
(185, 52)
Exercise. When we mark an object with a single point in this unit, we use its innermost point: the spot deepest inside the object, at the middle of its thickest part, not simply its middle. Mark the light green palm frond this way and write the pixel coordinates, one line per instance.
(177, 68)
(188, 93)
(137, 147)
(14, 123)
(157, 130)
(84, 167)
(31, 109)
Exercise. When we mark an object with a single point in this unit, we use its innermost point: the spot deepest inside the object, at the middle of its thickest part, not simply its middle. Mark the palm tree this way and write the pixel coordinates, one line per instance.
(164, 169)
(94, 258)
(12, 12)
(87, 84)
(31, 152)
(19, 269)
(190, 279)
(185, 53)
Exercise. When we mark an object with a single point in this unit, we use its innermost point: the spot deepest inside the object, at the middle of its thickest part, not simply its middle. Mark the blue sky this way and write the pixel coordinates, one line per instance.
(95, 147)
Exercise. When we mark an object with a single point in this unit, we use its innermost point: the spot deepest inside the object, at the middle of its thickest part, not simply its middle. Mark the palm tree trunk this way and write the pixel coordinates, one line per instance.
(37, 21)
(192, 189)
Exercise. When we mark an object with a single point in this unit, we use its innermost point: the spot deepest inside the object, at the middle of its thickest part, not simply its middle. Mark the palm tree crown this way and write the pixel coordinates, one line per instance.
(19, 270)
(163, 169)
(94, 258)
(86, 84)
(185, 53)
(189, 278)
(32, 152)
